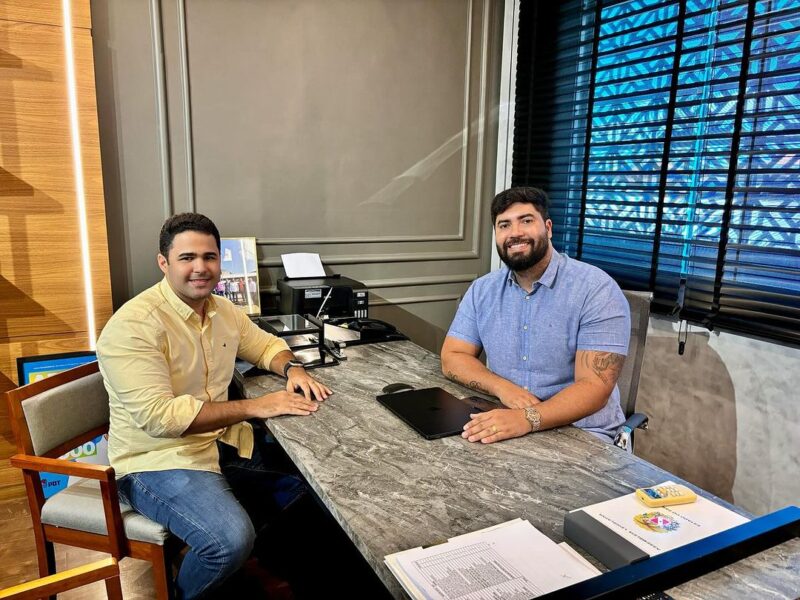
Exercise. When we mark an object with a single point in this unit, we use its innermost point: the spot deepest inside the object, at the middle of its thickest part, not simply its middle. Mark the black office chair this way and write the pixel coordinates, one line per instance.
(628, 382)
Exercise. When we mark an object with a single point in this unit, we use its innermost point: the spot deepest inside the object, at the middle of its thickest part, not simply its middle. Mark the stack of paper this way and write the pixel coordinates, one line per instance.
(512, 560)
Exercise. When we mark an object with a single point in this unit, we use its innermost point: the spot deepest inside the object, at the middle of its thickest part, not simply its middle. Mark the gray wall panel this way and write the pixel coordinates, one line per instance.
(129, 141)
(364, 130)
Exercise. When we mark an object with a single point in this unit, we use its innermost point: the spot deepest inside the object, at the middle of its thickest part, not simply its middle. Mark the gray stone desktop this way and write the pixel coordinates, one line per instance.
(392, 490)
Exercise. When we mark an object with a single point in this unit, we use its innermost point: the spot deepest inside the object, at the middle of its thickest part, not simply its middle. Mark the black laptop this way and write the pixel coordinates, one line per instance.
(433, 412)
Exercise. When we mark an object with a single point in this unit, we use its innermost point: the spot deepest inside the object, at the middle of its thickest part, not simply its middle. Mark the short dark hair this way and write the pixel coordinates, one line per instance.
(185, 222)
(525, 195)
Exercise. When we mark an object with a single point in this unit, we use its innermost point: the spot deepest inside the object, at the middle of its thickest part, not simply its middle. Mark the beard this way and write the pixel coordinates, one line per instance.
(522, 261)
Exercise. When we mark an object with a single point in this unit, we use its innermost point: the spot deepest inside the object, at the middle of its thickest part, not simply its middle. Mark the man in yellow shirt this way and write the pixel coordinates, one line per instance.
(184, 454)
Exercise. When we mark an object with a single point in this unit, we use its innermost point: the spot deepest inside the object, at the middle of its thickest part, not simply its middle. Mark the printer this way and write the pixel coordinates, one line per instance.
(333, 296)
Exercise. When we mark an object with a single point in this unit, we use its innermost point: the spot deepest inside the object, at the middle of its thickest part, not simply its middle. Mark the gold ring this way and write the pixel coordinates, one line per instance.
(494, 428)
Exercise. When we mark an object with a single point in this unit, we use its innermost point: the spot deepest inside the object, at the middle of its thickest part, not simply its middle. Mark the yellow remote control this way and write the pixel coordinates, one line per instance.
(666, 495)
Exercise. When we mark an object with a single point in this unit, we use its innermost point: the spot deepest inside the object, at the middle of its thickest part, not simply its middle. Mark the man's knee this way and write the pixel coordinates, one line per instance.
(238, 539)
(230, 546)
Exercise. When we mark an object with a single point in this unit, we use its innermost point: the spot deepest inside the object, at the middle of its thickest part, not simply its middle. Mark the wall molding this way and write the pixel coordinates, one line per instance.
(162, 110)
(186, 91)
(375, 284)
(363, 259)
(477, 212)
(357, 240)
(416, 300)
(465, 147)
(468, 127)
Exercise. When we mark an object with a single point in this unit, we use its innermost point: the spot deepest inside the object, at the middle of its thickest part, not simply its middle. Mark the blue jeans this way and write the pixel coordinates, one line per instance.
(217, 516)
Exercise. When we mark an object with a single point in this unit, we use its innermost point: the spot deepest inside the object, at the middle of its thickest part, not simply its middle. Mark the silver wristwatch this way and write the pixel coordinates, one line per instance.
(534, 418)
(289, 364)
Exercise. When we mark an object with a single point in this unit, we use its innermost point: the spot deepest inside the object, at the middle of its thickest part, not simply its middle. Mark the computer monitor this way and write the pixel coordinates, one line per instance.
(35, 368)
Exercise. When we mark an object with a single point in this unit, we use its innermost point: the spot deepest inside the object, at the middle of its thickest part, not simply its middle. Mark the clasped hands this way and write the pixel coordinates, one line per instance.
(502, 423)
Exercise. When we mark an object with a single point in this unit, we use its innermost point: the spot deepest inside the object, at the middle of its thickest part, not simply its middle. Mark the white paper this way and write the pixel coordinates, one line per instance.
(341, 335)
(571, 552)
(514, 561)
(656, 530)
(302, 264)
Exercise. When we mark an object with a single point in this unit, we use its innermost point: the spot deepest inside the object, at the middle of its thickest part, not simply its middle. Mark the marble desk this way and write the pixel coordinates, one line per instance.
(391, 490)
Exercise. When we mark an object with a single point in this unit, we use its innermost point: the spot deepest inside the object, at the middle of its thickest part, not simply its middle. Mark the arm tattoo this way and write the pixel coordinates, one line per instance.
(473, 385)
(476, 385)
(452, 377)
(606, 365)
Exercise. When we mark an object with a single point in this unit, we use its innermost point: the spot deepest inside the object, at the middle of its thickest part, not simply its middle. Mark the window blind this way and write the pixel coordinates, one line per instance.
(667, 134)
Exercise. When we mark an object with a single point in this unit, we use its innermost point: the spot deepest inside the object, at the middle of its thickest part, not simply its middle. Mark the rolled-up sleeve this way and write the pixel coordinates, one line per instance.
(257, 346)
(132, 358)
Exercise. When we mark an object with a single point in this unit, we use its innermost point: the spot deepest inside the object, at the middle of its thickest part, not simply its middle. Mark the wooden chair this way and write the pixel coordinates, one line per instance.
(106, 569)
(49, 418)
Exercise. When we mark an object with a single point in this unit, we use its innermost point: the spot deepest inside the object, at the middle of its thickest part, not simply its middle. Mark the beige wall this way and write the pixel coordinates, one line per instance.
(364, 130)
(724, 415)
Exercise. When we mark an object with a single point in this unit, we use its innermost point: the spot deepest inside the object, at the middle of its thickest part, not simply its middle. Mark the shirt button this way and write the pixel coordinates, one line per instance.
(527, 297)
(524, 358)
(525, 327)
(525, 387)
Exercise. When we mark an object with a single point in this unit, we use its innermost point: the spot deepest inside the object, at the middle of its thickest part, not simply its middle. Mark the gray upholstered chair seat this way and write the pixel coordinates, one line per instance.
(80, 507)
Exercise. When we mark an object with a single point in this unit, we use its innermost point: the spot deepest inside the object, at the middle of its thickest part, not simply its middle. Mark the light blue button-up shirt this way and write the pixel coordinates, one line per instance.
(531, 338)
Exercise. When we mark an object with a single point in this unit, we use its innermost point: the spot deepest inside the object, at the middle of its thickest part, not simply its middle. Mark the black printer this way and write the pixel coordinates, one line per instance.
(333, 296)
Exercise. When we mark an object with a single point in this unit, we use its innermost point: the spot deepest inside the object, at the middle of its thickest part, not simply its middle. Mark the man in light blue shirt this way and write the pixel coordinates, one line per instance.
(555, 331)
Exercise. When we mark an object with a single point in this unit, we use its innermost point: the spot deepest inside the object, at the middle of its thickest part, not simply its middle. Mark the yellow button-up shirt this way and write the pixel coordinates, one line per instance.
(160, 363)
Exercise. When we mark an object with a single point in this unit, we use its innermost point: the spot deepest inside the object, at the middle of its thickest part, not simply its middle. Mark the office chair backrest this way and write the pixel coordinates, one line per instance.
(628, 381)
(64, 409)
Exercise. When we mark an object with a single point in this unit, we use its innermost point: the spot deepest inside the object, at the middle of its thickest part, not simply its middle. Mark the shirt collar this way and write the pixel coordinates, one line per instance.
(548, 278)
(180, 307)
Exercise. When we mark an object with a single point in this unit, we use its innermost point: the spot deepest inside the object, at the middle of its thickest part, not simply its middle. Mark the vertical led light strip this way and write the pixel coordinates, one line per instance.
(72, 95)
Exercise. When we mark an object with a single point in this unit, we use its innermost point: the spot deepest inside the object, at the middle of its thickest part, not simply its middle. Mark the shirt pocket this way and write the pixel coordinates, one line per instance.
(224, 357)
(552, 352)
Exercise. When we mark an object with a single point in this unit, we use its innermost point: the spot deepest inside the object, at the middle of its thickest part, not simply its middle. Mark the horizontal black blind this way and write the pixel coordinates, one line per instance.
(670, 146)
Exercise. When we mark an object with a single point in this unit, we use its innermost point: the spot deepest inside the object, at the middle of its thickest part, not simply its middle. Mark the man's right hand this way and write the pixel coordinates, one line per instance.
(282, 403)
(513, 396)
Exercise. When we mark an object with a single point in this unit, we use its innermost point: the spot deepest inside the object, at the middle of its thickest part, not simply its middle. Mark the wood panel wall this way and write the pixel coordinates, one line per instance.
(42, 299)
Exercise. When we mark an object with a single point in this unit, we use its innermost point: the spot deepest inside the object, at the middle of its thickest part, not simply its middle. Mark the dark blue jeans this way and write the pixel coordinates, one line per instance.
(217, 516)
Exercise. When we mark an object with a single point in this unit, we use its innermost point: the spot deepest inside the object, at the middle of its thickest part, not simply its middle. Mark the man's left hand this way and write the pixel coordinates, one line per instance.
(496, 425)
(300, 381)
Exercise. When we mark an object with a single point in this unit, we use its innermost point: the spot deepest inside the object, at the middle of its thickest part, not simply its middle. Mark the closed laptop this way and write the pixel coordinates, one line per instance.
(433, 412)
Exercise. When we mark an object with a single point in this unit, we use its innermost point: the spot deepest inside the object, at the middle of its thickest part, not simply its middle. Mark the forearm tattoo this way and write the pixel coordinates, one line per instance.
(473, 385)
(606, 365)
(452, 377)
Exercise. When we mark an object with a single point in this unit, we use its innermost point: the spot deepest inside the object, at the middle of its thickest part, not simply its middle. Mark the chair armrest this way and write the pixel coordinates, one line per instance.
(108, 490)
(637, 421)
(624, 437)
(106, 568)
(62, 467)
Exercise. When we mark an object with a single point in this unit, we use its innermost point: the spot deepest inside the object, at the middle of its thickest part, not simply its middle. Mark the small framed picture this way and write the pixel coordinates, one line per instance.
(239, 280)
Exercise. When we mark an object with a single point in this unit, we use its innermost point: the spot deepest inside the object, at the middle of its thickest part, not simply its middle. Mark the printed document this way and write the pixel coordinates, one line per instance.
(302, 264)
(656, 530)
(513, 560)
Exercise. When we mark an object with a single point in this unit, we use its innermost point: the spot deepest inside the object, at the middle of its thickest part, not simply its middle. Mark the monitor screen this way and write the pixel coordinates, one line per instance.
(35, 368)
